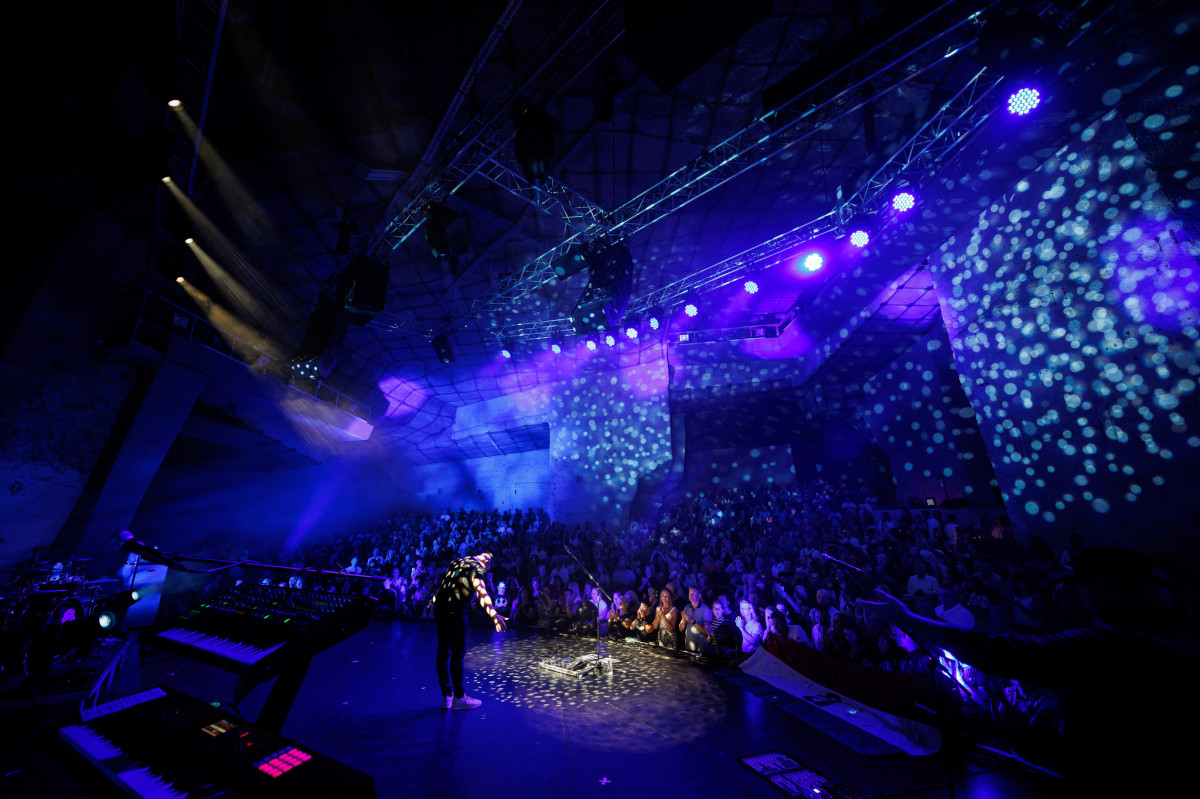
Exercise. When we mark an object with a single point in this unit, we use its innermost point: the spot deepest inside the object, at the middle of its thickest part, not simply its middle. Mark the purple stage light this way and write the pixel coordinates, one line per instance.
(1022, 101)
(610, 340)
(860, 238)
(690, 309)
(654, 323)
(903, 201)
(631, 331)
(556, 348)
(813, 261)
(750, 286)
(591, 344)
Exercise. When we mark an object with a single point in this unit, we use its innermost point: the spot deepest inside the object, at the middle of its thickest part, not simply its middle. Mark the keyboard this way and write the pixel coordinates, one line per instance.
(164, 743)
(255, 629)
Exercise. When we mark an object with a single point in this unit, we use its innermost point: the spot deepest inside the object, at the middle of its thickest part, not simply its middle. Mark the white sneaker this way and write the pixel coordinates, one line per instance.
(466, 703)
(447, 702)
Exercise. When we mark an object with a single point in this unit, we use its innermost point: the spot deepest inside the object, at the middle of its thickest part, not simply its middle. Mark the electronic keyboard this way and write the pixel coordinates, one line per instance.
(165, 743)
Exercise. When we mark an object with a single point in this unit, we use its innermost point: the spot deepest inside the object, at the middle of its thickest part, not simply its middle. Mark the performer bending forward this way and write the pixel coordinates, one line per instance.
(463, 579)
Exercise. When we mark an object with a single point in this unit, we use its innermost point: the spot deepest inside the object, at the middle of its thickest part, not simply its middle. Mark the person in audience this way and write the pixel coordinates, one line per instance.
(748, 624)
(921, 586)
(694, 621)
(951, 612)
(666, 621)
(621, 618)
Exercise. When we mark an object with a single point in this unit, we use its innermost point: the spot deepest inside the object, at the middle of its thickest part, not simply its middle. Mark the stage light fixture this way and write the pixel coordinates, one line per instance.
(610, 339)
(556, 348)
(507, 346)
(750, 286)
(1022, 101)
(813, 261)
(591, 344)
(437, 234)
(904, 201)
(173, 104)
(189, 240)
(167, 179)
(106, 619)
(441, 348)
(690, 309)
(179, 279)
(631, 331)
(655, 318)
(534, 143)
(860, 238)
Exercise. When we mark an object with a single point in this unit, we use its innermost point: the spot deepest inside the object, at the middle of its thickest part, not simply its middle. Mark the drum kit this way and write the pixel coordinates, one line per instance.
(37, 609)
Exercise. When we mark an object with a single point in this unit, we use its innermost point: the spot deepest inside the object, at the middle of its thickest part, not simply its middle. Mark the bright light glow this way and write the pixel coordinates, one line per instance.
(179, 280)
(610, 340)
(654, 323)
(690, 309)
(631, 332)
(556, 348)
(591, 344)
(750, 286)
(189, 240)
(860, 238)
(813, 261)
(135, 595)
(167, 179)
(1022, 101)
(174, 104)
(106, 620)
(507, 353)
(903, 201)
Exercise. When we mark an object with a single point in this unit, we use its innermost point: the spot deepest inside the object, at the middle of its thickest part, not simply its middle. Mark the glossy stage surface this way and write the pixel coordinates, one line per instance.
(657, 726)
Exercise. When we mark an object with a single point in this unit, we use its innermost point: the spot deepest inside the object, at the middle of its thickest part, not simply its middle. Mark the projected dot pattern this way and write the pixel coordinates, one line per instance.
(1073, 314)
(506, 671)
(1022, 101)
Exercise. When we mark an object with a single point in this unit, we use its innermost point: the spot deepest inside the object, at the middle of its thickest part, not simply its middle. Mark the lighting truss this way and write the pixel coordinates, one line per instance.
(586, 34)
(949, 128)
(938, 35)
(553, 198)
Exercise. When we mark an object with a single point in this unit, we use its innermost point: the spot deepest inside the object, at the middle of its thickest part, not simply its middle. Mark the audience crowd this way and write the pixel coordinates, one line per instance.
(721, 572)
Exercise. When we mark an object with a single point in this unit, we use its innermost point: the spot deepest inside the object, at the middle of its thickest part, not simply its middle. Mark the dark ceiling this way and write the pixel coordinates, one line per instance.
(323, 111)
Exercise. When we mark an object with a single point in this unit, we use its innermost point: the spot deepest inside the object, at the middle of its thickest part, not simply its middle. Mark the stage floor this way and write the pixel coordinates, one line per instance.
(658, 725)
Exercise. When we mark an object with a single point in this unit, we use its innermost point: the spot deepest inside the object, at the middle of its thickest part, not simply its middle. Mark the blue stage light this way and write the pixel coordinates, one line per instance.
(813, 261)
(751, 287)
(690, 309)
(591, 344)
(1022, 101)
(903, 201)
(860, 238)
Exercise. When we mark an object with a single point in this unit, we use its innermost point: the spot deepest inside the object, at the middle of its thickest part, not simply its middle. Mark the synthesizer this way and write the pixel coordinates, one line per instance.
(254, 626)
(165, 743)
(262, 632)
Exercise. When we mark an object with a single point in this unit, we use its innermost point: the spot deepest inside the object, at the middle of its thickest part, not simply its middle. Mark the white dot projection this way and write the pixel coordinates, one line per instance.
(609, 428)
(1072, 311)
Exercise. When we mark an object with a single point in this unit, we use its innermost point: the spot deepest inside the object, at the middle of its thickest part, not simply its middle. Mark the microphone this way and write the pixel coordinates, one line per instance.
(125, 540)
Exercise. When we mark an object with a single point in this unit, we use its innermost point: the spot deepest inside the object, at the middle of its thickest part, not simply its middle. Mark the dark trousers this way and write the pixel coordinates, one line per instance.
(451, 644)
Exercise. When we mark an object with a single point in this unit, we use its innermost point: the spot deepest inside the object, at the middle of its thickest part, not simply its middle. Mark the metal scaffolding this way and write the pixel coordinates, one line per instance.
(586, 34)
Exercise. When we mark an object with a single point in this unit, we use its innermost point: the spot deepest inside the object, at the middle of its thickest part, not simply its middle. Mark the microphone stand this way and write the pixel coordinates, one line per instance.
(600, 591)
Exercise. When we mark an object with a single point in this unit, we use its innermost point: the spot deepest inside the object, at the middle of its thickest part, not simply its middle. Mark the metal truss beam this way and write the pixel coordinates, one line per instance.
(881, 70)
(587, 33)
(949, 128)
